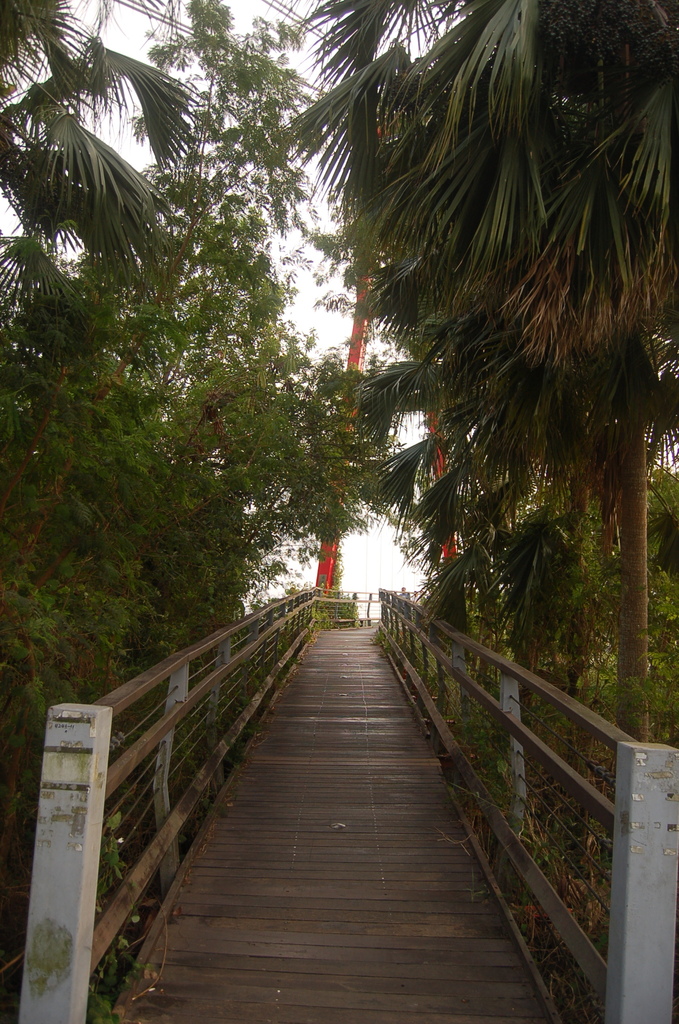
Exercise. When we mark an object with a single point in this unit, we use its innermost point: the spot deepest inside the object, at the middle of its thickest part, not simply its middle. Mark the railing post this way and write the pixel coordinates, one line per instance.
(442, 693)
(510, 702)
(412, 618)
(248, 668)
(644, 886)
(223, 658)
(424, 654)
(460, 663)
(177, 692)
(253, 630)
(66, 865)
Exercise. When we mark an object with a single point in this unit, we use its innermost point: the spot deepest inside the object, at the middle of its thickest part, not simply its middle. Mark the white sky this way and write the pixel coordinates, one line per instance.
(370, 560)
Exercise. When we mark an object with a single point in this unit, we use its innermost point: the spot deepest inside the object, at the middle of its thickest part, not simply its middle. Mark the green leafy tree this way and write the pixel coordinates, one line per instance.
(167, 448)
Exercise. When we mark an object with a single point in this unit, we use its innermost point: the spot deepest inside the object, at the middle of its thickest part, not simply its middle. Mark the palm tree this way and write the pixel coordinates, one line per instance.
(552, 433)
(526, 158)
(65, 185)
(518, 157)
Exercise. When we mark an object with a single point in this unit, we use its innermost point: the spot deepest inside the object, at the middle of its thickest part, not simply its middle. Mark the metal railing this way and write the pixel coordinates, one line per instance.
(124, 778)
(338, 608)
(586, 815)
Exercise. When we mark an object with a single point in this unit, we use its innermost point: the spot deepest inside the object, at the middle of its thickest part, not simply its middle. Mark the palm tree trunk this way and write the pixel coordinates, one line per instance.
(633, 620)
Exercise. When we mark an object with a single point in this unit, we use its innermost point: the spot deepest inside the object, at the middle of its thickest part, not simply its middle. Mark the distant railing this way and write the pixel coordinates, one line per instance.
(346, 608)
(586, 815)
(123, 779)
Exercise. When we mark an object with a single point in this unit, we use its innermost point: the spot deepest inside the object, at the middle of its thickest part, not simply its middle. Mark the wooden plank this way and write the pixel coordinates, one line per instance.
(414, 916)
(344, 905)
(418, 925)
(493, 979)
(338, 885)
(135, 882)
(496, 964)
(483, 998)
(155, 1008)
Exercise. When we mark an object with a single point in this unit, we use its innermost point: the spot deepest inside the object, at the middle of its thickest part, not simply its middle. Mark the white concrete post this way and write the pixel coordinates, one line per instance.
(511, 703)
(644, 887)
(177, 692)
(66, 865)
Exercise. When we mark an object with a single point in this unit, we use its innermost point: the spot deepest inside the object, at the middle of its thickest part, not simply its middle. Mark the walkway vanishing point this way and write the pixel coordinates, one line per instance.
(338, 886)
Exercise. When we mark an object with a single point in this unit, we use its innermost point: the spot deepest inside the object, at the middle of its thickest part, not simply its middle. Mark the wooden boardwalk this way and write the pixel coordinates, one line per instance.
(338, 888)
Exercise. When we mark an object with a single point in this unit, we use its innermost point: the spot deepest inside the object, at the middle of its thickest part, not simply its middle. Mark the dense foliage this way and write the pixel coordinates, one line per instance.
(514, 163)
(168, 441)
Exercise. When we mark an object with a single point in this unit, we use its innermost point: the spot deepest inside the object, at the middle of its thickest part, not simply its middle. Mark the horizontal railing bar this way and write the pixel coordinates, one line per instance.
(580, 714)
(586, 955)
(587, 795)
(138, 877)
(598, 727)
(137, 751)
(126, 694)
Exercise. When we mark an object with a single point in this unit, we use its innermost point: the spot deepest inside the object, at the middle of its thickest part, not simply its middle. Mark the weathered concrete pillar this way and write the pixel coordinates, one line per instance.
(644, 888)
(66, 865)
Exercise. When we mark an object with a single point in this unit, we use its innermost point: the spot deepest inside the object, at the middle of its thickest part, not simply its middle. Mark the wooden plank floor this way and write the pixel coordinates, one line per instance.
(337, 889)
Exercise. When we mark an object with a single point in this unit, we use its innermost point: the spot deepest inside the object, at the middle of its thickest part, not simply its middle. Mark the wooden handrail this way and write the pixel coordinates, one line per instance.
(126, 694)
(579, 943)
(601, 729)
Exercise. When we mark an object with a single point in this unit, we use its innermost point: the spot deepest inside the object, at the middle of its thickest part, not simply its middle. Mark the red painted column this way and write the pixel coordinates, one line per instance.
(326, 565)
(356, 358)
(449, 549)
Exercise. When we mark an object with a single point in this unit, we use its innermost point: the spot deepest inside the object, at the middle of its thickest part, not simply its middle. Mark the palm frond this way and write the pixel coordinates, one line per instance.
(399, 389)
(343, 125)
(37, 36)
(401, 474)
(448, 583)
(663, 531)
(114, 206)
(165, 103)
(353, 32)
(499, 37)
(441, 511)
(529, 561)
(26, 267)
